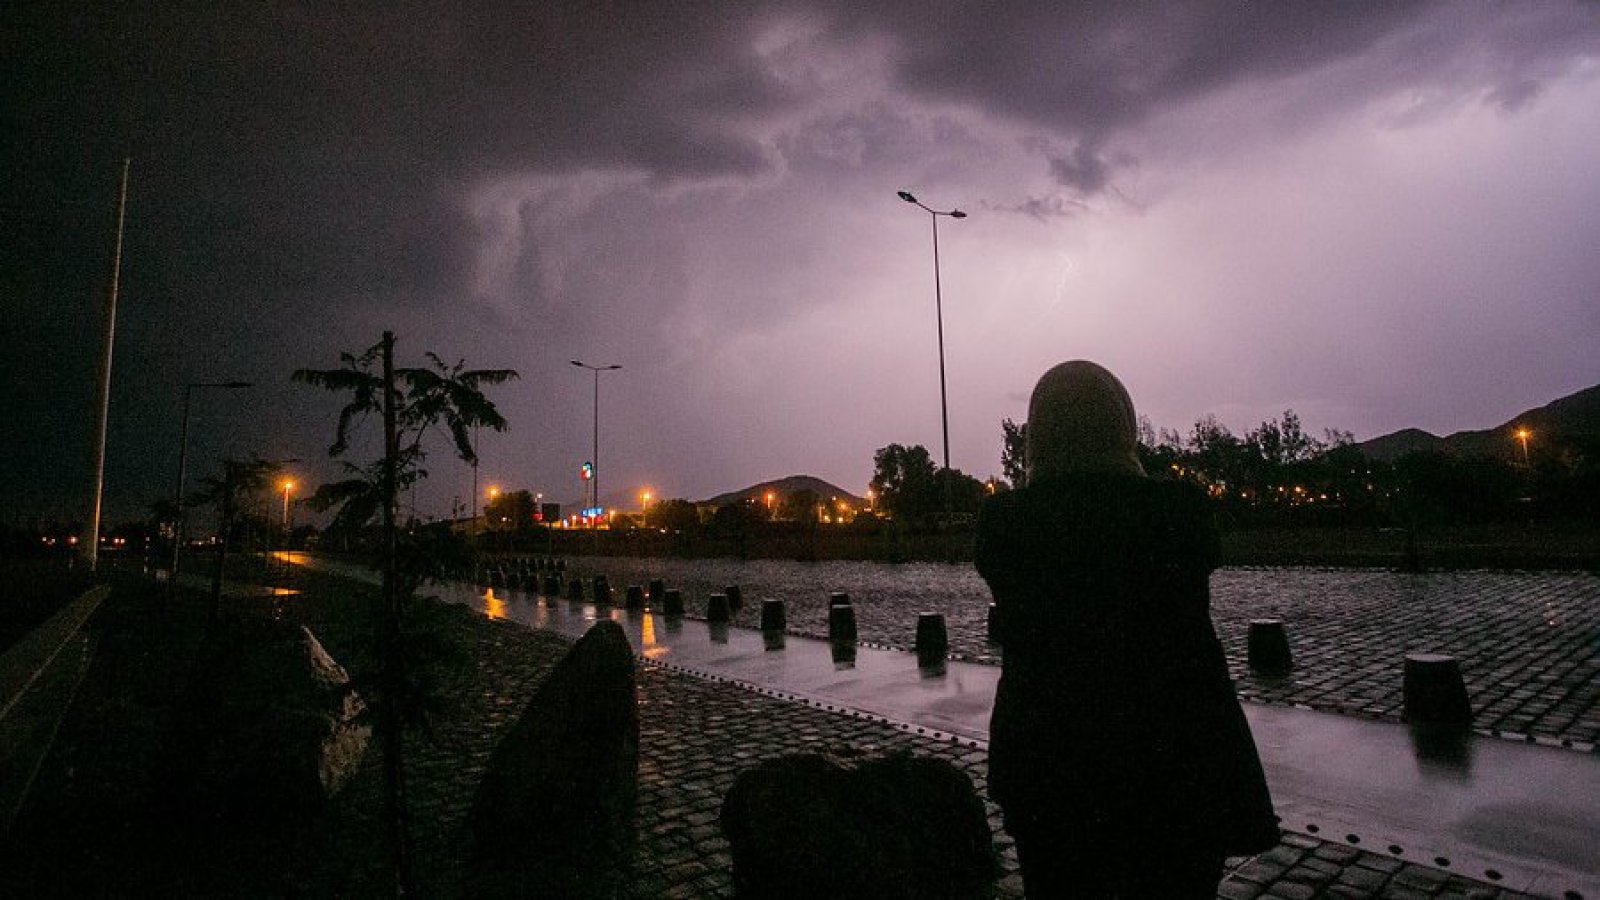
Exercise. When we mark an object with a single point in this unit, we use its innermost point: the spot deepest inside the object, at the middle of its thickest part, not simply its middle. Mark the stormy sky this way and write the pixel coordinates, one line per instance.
(1379, 214)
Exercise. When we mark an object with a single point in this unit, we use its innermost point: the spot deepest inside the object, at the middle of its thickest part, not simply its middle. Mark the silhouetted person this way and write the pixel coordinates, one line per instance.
(1118, 751)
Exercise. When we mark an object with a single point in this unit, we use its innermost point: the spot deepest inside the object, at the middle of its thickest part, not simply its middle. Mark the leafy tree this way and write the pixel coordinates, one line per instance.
(800, 505)
(511, 511)
(966, 493)
(1013, 452)
(1217, 455)
(412, 404)
(1283, 442)
(904, 480)
(240, 482)
(675, 515)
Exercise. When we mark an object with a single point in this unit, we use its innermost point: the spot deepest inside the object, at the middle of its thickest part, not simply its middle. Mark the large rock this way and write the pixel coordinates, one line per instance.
(554, 815)
(892, 826)
(273, 729)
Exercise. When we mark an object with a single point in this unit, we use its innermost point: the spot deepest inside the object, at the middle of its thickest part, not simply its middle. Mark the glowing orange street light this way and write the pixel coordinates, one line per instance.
(1522, 435)
(770, 498)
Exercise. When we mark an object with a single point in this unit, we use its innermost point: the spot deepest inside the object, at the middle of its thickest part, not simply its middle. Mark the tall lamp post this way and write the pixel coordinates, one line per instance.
(594, 480)
(938, 307)
(1522, 435)
(183, 459)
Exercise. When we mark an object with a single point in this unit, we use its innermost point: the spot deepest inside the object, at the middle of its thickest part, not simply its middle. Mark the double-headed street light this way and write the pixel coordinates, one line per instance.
(594, 478)
(938, 307)
(183, 459)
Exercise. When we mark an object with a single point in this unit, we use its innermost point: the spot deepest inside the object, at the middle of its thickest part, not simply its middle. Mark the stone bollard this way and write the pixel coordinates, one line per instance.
(673, 600)
(634, 597)
(575, 589)
(657, 588)
(993, 633)
(1434, 692)
(838, 598)
(844, 654)
(772, 617)
(735, 597)
(602, 589)
(552, 585)
(717, 608)
(932, 639)
(1268, 647)
(842, 624)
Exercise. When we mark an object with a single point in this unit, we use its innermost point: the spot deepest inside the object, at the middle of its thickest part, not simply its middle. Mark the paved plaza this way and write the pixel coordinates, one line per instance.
(1528, 642)
(696, 735)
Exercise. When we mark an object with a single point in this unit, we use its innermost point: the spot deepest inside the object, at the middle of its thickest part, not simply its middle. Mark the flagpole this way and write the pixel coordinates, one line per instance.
(91, 553)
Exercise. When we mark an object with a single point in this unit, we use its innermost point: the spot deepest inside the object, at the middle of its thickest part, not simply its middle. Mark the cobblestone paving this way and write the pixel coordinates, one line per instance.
(696, 735)
(1528, 642)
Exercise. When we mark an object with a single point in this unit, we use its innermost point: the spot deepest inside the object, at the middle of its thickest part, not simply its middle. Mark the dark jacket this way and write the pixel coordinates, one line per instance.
(1115, 712)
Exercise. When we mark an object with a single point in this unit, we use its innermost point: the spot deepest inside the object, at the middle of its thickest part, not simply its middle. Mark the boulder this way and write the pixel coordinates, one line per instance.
(274, 727)
(554, 814)
(881, 826)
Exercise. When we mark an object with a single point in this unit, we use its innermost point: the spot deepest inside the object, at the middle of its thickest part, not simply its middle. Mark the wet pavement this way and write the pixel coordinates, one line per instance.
(1523, 816)
(1381, 812)
(1528, 642)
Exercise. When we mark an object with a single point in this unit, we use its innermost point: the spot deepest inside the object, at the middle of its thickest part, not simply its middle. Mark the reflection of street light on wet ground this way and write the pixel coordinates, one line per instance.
(938, 306)
(287, 487)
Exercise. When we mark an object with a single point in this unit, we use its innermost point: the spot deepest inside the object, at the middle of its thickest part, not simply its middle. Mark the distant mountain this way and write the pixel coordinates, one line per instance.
(1575, 417)
(785, 486)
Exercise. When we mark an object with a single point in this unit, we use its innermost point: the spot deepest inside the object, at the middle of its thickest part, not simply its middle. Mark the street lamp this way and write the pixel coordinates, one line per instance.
(1523, 434)
(183, 459)
(938, 306)
(594, 478)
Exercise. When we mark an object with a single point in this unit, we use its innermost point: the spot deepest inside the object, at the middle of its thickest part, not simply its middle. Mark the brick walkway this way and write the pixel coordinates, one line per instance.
(696, 735)
(1528, 642)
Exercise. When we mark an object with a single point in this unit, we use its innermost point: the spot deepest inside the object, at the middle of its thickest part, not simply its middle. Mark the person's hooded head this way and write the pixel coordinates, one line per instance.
(1080, 420)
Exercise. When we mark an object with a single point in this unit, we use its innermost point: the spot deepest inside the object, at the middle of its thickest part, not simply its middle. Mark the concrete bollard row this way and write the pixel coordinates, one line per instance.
(842, 623)
(1434, 693)
(1267, 647)
(772, 615)
(933, 641)
(717, 608)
